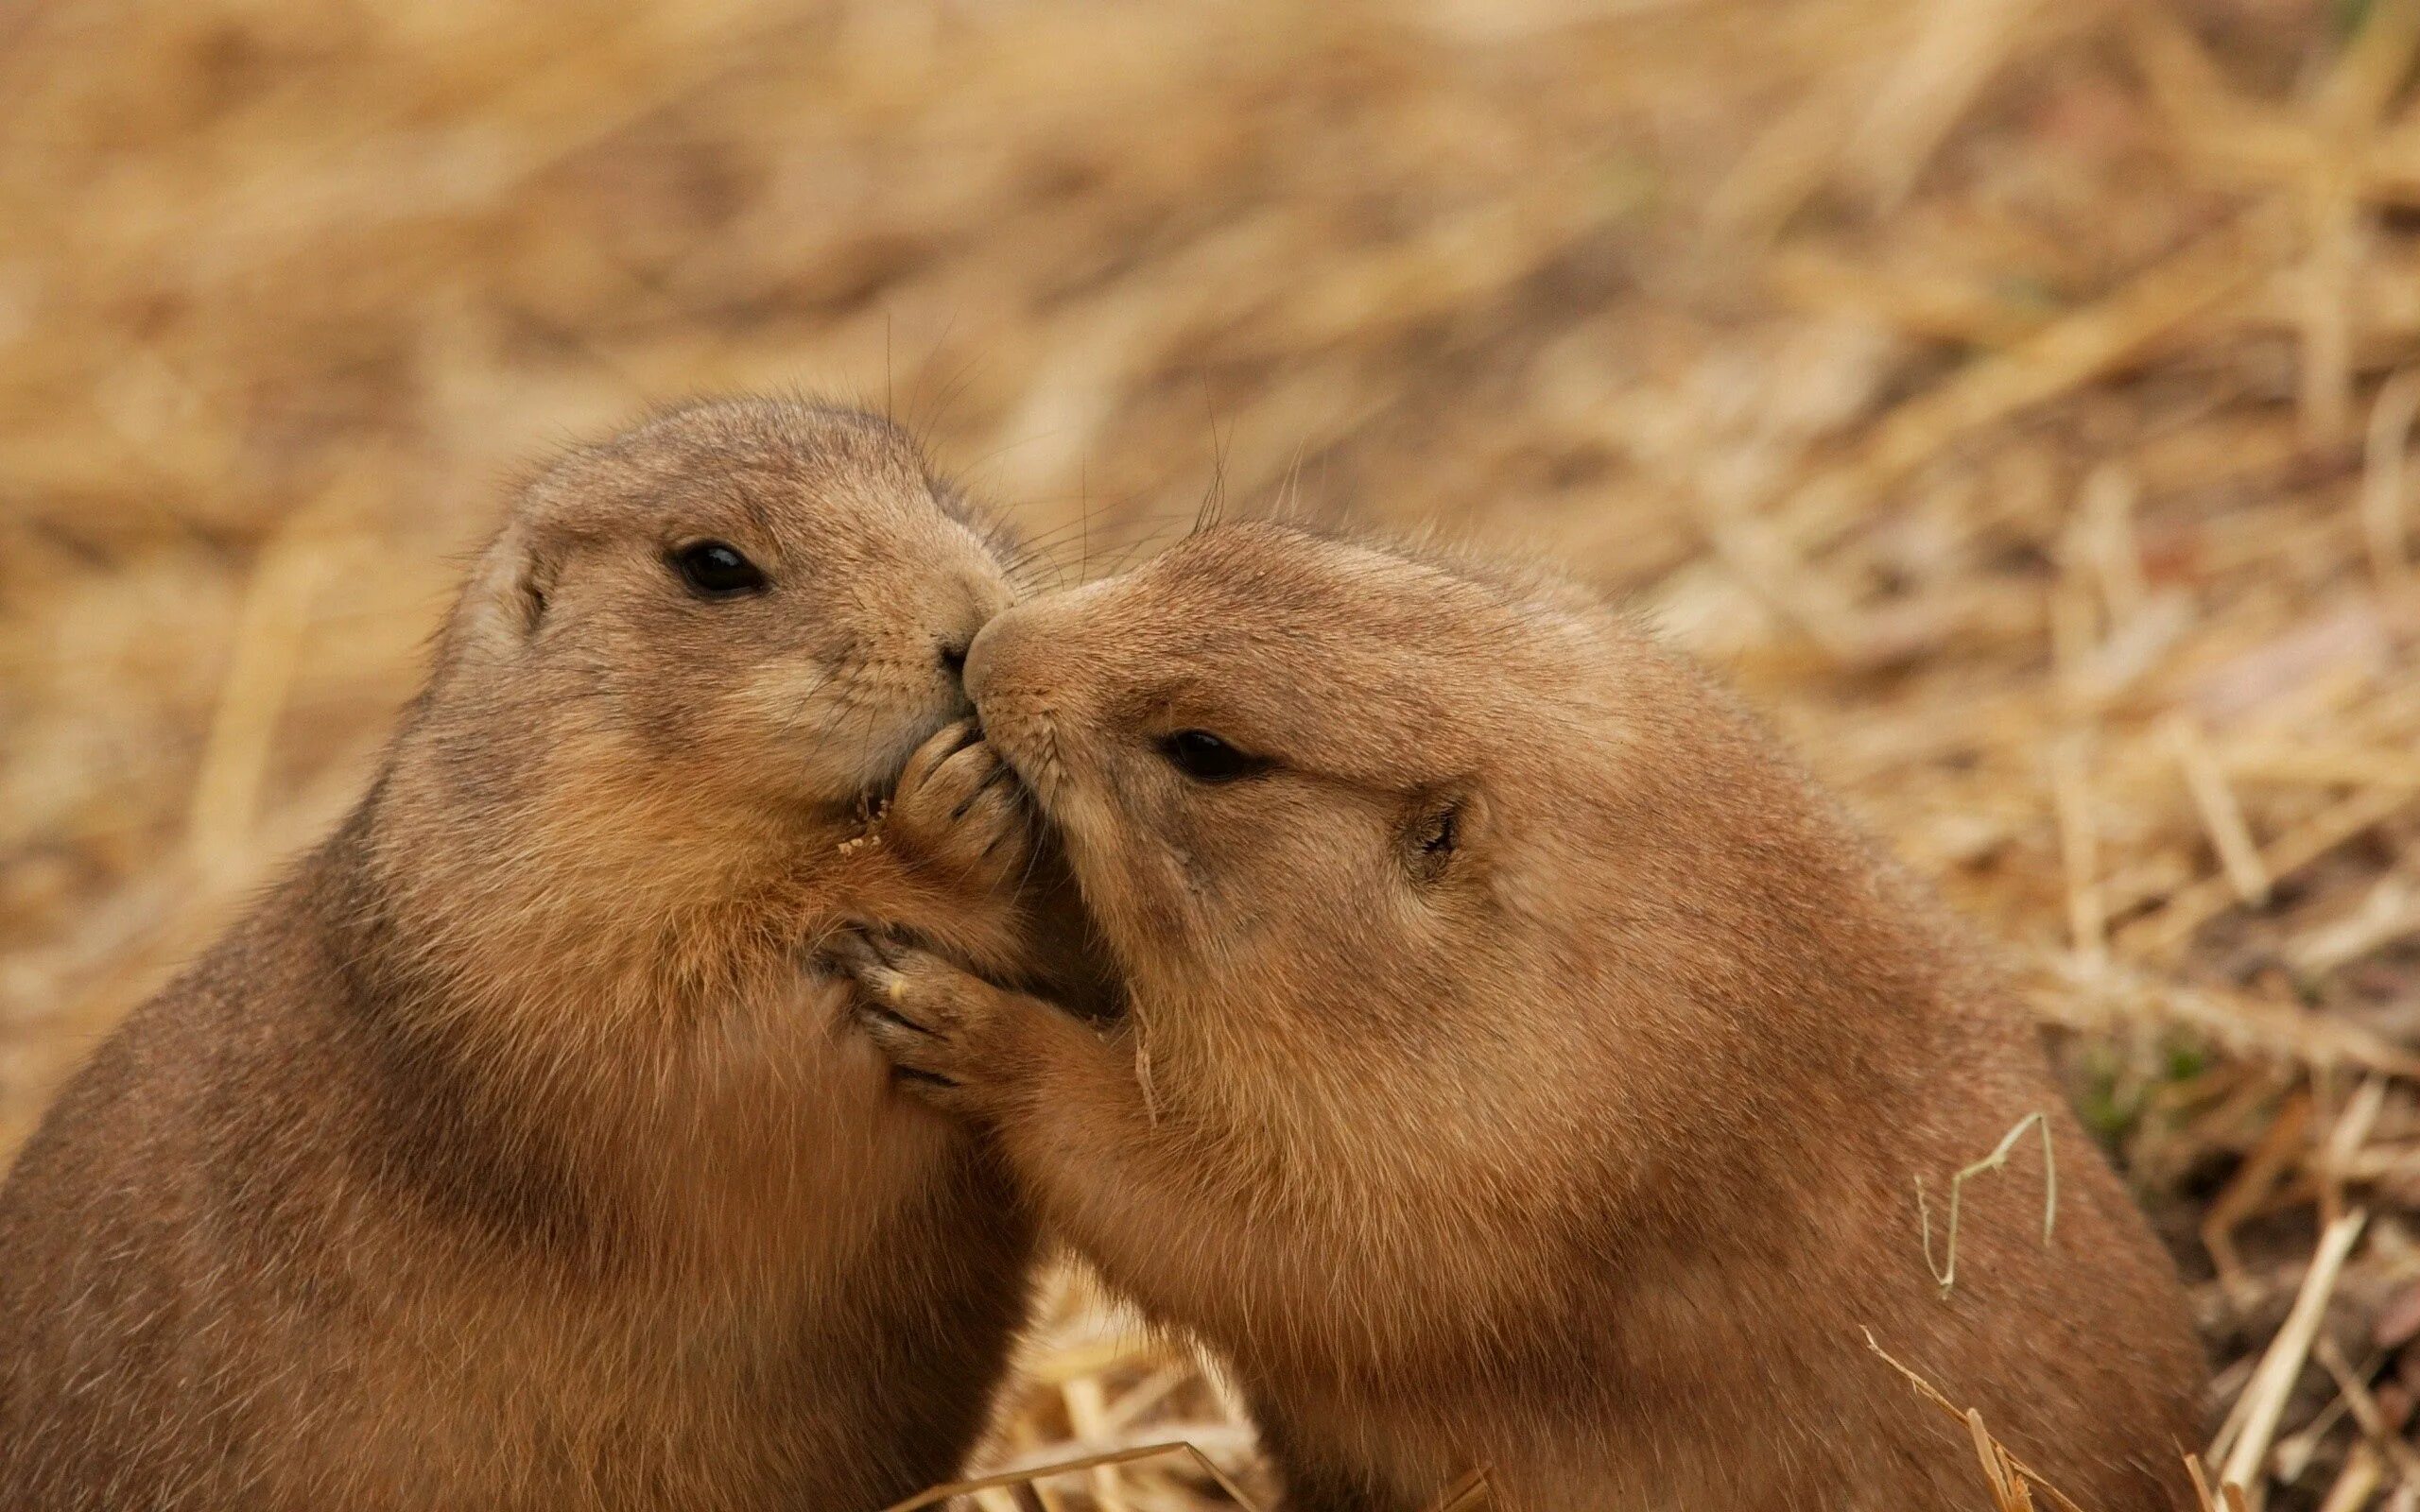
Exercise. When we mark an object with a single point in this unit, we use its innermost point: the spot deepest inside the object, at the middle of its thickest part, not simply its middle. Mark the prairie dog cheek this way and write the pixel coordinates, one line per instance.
(829, 734)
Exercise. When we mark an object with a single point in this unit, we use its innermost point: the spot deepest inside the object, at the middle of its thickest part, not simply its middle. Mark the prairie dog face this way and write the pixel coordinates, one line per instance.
(747, 605)
(1265, 736)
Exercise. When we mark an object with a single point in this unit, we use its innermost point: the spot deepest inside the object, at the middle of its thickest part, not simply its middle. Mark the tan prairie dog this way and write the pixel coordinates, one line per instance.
(1526, 1066)
(509, 1155)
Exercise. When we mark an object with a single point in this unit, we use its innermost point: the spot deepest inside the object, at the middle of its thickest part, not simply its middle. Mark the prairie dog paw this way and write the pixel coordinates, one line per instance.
(929, 1017)
(958, 812)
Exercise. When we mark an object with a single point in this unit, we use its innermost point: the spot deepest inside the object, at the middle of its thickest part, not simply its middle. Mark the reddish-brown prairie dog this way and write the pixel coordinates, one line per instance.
(1526, 1066)
(509, 1154)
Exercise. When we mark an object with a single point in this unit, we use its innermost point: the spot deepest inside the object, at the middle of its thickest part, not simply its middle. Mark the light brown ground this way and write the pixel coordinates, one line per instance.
(2002, 392)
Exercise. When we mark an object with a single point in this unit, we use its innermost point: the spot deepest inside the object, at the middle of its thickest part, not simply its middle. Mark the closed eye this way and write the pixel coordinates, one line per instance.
(1205, 758)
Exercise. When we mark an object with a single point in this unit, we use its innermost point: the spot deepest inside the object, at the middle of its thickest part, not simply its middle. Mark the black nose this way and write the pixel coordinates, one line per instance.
(954, 658)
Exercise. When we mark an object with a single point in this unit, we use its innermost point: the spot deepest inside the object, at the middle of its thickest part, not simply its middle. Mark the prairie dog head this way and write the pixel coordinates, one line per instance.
(727, 621)
(1377, 814)
(1369, 834)
(1281, 763)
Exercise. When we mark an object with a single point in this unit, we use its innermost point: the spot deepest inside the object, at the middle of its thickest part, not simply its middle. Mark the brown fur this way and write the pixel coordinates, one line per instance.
(505, 1155)
(1581, 1142)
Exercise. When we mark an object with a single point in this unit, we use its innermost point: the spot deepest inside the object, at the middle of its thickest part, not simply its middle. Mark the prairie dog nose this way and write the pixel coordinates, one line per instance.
(1025, 651)
(1000, 645)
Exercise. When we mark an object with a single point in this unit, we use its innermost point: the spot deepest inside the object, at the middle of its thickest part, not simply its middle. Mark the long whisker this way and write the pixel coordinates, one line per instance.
(1214, 498)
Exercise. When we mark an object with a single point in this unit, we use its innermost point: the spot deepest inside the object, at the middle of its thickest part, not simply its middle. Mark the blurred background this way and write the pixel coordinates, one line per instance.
(2015, 397)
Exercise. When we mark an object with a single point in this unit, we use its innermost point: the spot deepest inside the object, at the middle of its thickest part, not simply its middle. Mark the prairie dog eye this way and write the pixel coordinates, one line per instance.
(1205, 758)
(716, 569)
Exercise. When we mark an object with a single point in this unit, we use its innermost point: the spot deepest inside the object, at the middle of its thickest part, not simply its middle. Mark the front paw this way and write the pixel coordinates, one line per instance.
(959, 815)
(929, 1017)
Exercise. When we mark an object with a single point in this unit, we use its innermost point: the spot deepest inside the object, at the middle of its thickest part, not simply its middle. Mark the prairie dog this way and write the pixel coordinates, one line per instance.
(509, 1155)
(1525, 1065)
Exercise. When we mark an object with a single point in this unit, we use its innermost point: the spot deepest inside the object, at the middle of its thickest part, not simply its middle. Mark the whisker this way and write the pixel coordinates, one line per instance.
(1214, 498)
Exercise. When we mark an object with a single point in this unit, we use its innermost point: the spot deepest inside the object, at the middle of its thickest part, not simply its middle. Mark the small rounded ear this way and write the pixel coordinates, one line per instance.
(1439, 826)
(534, 588)
(511, 590)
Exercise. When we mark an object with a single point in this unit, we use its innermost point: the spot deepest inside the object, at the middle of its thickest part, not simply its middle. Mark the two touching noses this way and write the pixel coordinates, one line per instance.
(995, 642)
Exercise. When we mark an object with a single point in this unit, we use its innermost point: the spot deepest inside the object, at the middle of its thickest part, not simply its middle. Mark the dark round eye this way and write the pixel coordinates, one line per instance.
(1205, 758)
(716, 570)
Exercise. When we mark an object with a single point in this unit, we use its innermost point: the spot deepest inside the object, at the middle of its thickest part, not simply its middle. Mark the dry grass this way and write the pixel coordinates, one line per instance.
(2016, 396)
